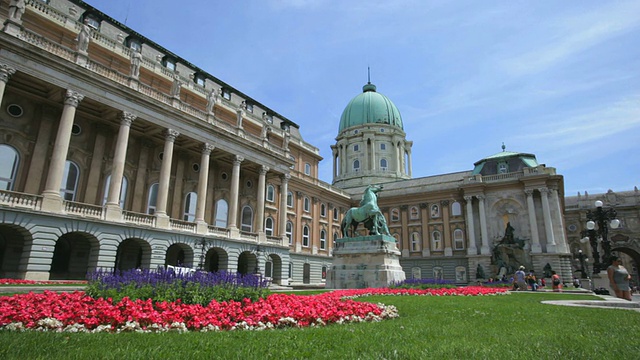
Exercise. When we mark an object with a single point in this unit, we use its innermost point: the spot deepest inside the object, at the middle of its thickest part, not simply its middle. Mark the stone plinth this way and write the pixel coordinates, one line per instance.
(364, 262)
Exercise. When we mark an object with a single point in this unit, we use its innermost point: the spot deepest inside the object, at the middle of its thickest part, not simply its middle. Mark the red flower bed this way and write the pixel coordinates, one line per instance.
(41, 282)
(78, 312)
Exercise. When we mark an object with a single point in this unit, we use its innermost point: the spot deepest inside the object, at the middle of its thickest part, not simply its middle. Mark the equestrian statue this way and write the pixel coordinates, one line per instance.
(368, 213)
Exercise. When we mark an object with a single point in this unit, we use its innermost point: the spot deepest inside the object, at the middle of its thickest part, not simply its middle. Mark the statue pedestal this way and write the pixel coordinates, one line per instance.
(365, 262)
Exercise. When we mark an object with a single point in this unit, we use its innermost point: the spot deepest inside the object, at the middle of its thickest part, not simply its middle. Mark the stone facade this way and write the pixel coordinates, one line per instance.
(120, 165)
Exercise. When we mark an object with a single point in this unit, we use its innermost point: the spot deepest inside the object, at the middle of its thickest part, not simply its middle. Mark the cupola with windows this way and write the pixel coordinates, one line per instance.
(504, 162)
(371, 145)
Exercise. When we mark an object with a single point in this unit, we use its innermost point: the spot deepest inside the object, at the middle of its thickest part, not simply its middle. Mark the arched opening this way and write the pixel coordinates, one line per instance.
(72, 256)
(179, 255)
(275, 269)
(630, 258)
(306, 274)
(133, 254)
(216, 260)
(12, 249)
(247, 262)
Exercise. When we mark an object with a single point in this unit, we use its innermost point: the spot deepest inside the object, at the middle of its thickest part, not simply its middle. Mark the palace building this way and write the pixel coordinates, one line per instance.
(117, 153)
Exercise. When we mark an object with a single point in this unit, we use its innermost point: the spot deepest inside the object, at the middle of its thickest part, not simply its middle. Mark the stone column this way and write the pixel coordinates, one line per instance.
(282, 211)
(113, 210)
(95, 168)
(410, 164)
(203, 180)
(446, 231)
(561, 234)
(52, 201)
(334, 154)
(374, 163)
(162, 219)
(402, 164)
(471, 231)
(262, 179)
(139, 184)
(533, 223)
(548, 223)
(39, 153)
(484, 249)
(5, 73)
(233, 196)
(343, 160)
(426, 234)
(366, 165)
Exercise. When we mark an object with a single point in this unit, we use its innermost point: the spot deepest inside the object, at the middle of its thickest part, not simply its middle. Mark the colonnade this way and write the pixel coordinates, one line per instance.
(370, 158)
(551, 214)
(53, 202)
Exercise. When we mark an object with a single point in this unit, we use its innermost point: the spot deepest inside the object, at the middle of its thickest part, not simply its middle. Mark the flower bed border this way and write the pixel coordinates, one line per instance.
(77, 312)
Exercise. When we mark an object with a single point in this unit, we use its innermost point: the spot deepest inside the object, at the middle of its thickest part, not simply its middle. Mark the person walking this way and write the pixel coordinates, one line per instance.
(520, 279)
(619, 279)
(556, 283)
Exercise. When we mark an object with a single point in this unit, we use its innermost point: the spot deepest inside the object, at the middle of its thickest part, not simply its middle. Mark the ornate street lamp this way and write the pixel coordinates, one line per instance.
(598, 230)
(582, 261)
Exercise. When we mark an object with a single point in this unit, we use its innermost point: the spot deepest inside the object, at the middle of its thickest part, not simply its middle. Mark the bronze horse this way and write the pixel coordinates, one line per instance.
(368, 213)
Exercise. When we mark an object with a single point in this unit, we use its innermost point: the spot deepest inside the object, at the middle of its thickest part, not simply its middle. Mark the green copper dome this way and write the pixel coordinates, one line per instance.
(370, 107)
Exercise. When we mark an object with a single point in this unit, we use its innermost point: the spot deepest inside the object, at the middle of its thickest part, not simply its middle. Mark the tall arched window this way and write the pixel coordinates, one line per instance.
(356, 165)
(290, 199)
(415, 214)
(398, 243)
(436, 241)
(384, 166)
(289, 232)
(415, 241)
(9, 161)
(123, 190)
(70, 181)
(190, 203)
(458, 239)
(456, 209)
(335, 238)
(271, 193)
(152, 200)
(222, 213)
(323, 210)
(247, 219)
(335, 214)
(305, 236)
(307, 204)
(435, 211)
(268, 226)
(395, 214)
(323, 239)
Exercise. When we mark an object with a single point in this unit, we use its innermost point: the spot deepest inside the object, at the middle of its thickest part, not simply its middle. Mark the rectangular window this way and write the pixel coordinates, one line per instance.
(250, 108)
(226, 93)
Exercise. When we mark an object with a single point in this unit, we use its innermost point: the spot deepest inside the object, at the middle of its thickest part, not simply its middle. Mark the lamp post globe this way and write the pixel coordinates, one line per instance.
(597, 233)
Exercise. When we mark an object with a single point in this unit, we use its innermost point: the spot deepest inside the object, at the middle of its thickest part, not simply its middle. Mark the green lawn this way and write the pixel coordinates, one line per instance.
(510, 327)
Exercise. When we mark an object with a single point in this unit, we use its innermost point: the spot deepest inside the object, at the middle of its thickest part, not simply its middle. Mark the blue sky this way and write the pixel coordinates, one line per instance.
(558, 79)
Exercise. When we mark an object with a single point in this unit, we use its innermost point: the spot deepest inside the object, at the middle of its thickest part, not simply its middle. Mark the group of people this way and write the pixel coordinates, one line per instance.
(619, 280)
(523, 281)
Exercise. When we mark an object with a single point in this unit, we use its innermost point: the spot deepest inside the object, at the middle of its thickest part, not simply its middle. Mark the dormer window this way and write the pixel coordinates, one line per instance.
(250, 108)
(267, 117)
(226, 93)
(169, 63)
(92, 21)
(284, 126)
(503, 168)
(199, 79)
(133, 44)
